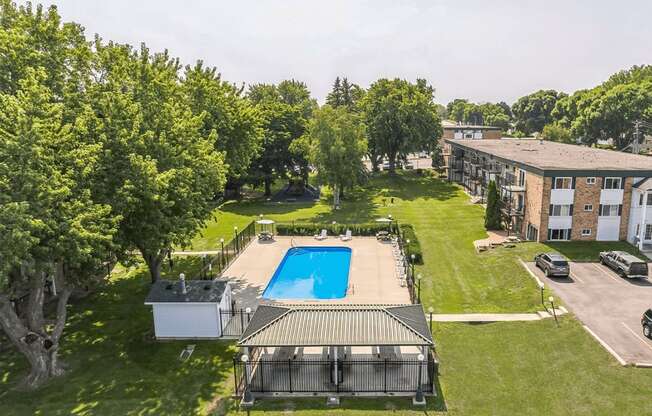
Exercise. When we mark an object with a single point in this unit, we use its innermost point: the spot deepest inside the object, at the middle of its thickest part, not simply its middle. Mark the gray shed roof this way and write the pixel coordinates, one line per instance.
(169, 291)
(336, 325)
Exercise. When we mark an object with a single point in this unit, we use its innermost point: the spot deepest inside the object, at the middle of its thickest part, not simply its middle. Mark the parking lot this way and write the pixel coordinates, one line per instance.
(610, 306)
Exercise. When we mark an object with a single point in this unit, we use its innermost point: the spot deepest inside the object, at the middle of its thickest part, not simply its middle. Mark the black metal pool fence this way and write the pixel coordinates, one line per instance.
(355, 375)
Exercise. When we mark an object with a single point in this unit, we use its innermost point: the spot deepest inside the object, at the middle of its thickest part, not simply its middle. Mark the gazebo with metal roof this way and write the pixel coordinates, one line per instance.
(337, 348)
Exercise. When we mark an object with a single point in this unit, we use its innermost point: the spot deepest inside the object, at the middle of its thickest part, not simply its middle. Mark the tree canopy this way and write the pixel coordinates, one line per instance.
(401, 118)
(338, 145)
(234, 120)
(609, 110)
(533, 111)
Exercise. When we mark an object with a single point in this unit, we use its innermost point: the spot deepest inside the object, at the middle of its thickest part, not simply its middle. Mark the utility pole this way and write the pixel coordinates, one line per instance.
(636, 146)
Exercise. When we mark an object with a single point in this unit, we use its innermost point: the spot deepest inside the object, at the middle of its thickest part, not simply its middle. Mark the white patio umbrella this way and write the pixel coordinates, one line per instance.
(265, 222)
(385, 220)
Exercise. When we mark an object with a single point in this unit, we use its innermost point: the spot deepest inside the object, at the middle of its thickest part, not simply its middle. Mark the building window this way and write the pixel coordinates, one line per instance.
(563, 183)
(561, 210)
(588, 207)
(649, 199)
(612, 183)
(648, 231)
(590, 181)
(559, 234)
(610, 210)
(586, 232)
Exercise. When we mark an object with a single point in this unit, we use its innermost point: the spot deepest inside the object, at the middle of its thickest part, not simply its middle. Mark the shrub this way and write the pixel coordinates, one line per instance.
(407, 233)
(364, 229)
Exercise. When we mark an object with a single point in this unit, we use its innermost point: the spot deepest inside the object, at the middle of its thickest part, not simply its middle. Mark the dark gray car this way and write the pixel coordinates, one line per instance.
(552, 264)
(624, 264)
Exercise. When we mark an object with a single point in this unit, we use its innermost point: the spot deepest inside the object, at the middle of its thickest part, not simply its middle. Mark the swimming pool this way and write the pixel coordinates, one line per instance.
(311, 273)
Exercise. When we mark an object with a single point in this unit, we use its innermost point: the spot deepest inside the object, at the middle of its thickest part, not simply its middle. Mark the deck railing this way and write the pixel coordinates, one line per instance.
(361, 375)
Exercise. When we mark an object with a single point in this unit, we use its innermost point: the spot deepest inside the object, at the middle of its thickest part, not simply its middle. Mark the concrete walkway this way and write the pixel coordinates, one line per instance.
(495, 317)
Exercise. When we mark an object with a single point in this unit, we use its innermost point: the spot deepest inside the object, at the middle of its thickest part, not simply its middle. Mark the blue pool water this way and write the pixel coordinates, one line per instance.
(311, 273)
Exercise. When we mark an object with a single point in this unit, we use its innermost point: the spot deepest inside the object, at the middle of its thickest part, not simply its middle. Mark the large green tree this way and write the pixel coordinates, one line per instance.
(532, 112)
(160, 170)
(285, 110)
(51, 229)
(338, 146)
(229, 115)
(401, 118)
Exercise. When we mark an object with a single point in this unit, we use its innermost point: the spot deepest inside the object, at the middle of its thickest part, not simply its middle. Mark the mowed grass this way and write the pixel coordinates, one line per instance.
(455, 277)
(531, 368)
(116, 368)
(521, 368)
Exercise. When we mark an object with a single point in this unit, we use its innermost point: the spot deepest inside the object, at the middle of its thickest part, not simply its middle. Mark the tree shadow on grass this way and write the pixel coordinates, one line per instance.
(116, 367)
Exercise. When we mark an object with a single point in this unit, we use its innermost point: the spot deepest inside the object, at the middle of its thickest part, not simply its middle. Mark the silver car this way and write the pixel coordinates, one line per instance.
(552, 264)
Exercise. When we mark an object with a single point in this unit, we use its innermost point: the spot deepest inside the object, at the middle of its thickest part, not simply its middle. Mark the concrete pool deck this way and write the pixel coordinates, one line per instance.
(372, 275)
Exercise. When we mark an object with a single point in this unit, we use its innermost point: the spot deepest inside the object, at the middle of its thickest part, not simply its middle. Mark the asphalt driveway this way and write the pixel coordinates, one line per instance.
(610, 306)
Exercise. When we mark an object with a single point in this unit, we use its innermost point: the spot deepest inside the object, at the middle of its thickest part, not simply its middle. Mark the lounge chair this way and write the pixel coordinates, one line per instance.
(321, 236)
(347, 236)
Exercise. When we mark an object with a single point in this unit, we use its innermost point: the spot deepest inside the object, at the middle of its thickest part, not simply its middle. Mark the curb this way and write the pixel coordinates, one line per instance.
(539, 282)
(605, 346)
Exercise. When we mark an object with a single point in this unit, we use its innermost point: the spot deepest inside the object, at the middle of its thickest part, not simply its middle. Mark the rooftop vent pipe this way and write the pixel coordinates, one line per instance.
(182, 283)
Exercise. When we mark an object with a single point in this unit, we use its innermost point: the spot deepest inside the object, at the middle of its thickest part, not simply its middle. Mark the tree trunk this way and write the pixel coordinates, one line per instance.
(154, 263)
(336, 196)
(39, 348)
(268, 186)
(341, 188)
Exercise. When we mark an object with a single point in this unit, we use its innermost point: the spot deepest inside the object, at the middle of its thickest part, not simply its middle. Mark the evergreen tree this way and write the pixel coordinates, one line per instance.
(334, 98)
(492, 219)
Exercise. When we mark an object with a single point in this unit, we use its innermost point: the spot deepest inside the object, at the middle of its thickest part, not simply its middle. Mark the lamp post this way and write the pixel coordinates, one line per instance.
(235, 232)
(222, 258)
(247, 398)
(248, 312)
(203, 265)
(419, 399)
(552, 305)
(412, 261)
(210, 270)
(541, 288)
(430, 311)
(407, 247)
(419, 285)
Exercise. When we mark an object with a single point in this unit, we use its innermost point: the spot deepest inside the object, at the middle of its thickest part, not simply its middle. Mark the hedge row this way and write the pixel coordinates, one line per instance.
(407, 233)
(363, 229)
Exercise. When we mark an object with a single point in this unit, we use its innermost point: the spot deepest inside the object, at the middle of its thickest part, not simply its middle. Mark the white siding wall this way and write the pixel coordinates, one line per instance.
(611, 196)
(608, 229)
(635, 216)
(186, 320)
(560, 222)
(562, 196)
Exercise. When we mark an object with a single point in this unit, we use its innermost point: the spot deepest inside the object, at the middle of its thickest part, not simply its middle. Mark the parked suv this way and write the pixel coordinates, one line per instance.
(624, 264)
(646, 321)
(552, 264)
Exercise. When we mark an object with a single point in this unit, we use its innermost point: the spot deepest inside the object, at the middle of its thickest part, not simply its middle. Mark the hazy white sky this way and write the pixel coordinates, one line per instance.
(481, 50)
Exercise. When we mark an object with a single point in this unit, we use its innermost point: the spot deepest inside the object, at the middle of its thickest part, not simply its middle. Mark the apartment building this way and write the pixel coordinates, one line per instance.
(558, 192)
(457, 131)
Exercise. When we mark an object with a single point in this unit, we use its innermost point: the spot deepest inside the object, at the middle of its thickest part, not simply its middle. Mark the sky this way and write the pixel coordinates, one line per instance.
(493, 51)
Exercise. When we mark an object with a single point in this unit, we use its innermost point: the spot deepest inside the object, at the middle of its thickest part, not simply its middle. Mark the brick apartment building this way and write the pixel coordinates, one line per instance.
(555, 192)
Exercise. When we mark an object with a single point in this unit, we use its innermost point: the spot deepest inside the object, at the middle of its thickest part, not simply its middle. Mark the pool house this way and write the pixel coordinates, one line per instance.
(336, 349)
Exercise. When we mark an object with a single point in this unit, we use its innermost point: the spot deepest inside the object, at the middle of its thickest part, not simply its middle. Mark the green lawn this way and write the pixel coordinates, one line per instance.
(506, 368)
(455, 278)
(116, 368)
(526, 368)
